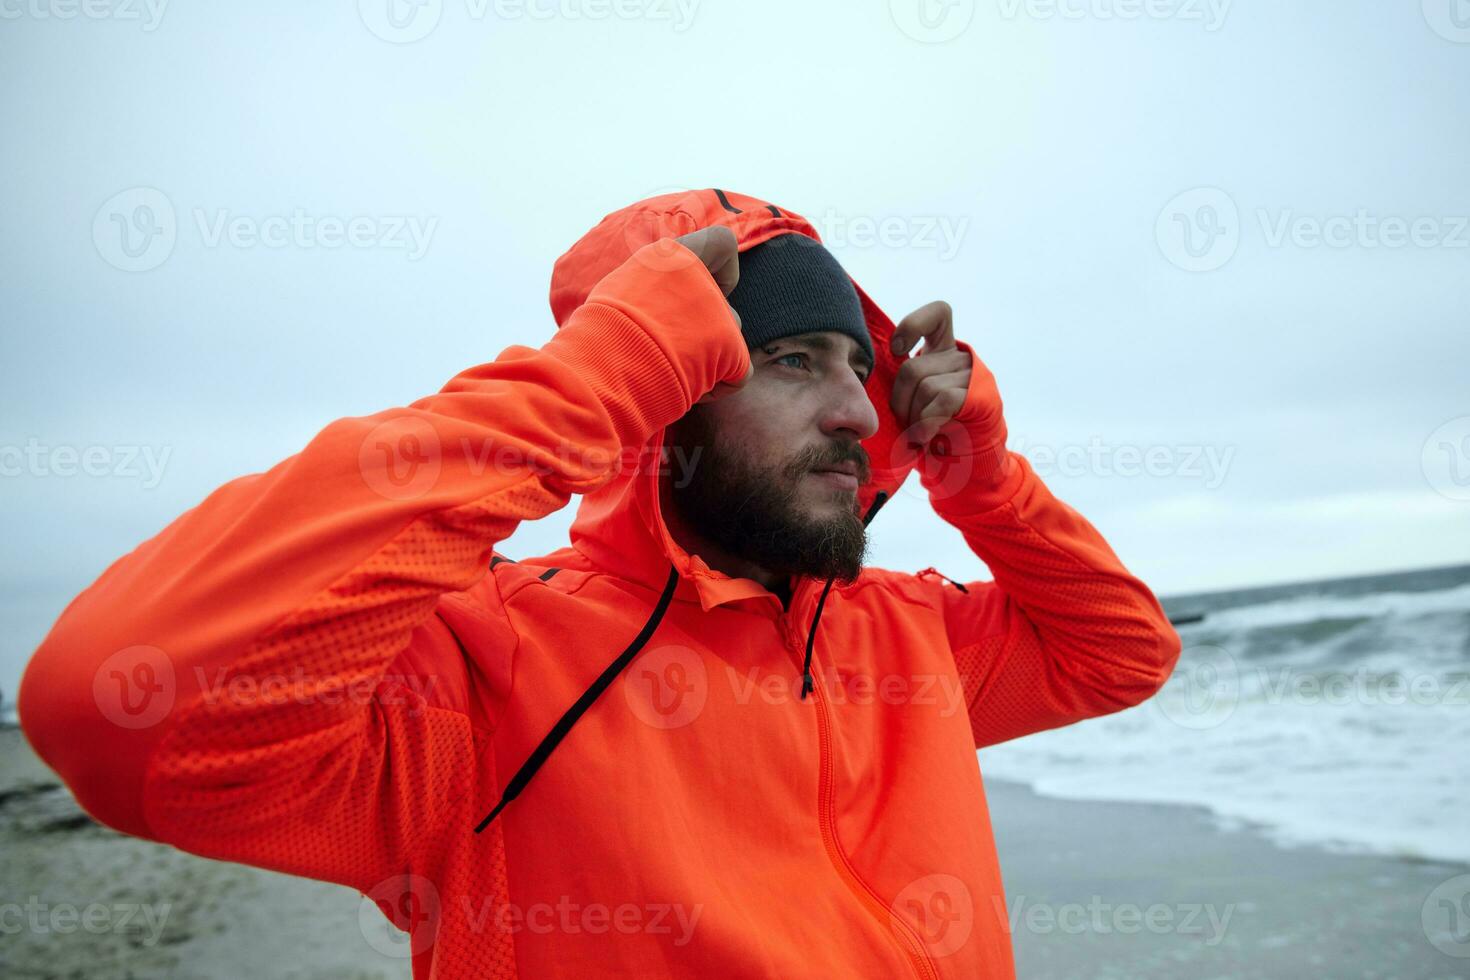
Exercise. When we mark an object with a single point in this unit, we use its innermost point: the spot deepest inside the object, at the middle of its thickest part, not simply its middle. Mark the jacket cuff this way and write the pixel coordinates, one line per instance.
(966, 467)
(654, 335)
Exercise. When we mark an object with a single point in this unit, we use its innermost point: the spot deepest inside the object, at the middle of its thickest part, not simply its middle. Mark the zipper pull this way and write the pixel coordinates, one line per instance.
(928, 572)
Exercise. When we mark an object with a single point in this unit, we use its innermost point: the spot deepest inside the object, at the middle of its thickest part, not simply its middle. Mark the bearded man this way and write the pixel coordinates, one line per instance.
(702, 739)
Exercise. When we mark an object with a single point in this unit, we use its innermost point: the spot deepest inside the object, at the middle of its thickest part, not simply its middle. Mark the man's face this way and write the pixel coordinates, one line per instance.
(779, 465)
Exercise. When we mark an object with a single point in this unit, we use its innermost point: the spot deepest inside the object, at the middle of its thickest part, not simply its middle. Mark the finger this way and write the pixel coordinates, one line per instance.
(935, 388)
(724, 260)
(913, 372)
(719, 391)
(724, 389)
(933, 323)
(936, 415)
(718, 250)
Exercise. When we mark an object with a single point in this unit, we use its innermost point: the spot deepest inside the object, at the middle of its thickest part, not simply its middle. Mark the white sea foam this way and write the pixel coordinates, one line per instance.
(1305, 609)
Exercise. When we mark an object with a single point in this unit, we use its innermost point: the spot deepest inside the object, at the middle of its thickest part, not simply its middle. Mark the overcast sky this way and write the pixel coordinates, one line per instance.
(1215, 253)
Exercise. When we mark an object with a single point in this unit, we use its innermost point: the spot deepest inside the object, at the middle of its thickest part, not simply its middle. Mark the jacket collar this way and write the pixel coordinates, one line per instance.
(621, 529)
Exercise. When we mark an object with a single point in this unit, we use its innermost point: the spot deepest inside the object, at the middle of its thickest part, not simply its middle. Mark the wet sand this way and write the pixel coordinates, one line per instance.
(1226, 903)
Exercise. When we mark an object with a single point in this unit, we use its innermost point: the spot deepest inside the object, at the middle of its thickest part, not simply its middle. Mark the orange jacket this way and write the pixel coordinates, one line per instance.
(312, 671)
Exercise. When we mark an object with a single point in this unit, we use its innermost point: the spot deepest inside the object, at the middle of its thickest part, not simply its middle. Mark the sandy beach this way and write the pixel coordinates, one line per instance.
(1094, 890)
(1161, 891)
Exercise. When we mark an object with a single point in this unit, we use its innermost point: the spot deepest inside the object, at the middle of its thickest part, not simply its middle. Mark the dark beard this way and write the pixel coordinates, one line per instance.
(751, 512)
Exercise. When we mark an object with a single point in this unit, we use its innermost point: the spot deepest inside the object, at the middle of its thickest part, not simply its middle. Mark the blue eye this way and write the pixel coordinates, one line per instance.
(800, 358)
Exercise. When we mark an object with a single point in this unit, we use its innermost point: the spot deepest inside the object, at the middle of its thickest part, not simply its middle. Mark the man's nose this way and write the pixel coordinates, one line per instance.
(849, 412)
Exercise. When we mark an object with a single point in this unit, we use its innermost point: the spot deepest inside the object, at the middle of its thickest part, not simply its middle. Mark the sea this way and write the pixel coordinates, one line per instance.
(1333, 713)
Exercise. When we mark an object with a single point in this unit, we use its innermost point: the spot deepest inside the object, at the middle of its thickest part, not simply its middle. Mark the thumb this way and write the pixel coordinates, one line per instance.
(717, 248)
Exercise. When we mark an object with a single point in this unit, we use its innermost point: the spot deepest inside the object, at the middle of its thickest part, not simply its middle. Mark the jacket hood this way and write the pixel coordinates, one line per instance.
(620, 526)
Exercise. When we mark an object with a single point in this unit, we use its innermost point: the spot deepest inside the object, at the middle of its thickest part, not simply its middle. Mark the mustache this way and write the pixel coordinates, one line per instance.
(831, 455)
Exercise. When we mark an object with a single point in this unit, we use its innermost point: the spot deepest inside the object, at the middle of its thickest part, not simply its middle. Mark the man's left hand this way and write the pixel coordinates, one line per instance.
(932, 385)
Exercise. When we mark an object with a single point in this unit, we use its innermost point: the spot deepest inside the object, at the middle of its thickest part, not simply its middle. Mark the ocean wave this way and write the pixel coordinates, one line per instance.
(1339, 721)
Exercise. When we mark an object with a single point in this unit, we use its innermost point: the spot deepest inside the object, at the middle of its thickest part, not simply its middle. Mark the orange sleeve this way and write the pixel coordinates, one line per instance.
(267, 681)
(1064, 632)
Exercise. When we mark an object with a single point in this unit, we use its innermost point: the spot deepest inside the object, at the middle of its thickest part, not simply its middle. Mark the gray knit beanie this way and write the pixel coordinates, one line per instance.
(791, 284)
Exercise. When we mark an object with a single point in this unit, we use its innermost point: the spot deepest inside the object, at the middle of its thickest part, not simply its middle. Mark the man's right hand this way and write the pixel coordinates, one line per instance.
(717, 248)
